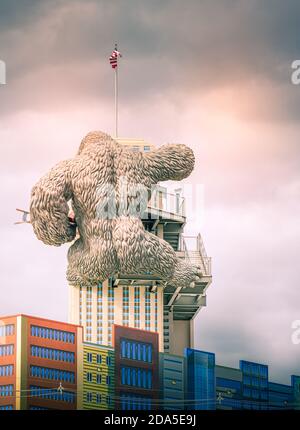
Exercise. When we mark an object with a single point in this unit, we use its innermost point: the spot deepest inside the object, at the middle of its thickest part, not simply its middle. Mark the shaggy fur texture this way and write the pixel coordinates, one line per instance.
(107, 245)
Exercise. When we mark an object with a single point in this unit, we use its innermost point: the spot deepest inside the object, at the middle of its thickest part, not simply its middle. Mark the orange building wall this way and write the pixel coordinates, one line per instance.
(27, 340)
(9, 359)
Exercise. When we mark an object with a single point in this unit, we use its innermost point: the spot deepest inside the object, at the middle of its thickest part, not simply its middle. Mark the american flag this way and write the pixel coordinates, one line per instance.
(113, 59)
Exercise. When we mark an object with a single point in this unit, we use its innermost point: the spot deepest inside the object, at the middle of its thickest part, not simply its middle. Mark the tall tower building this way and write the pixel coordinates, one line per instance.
(144, 302)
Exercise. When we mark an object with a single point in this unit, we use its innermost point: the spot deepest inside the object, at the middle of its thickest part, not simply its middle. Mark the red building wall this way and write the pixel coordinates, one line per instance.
(143, 336)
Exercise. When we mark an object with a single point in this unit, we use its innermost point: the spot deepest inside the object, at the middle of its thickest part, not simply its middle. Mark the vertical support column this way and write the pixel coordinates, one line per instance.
(131, 306)
(160, 231)
(142, 307)
(73, 308)
(105, 312)
(160, 317)
(21, 363)
(83, 304)
(118, 306)
(152, 310)
(79, 368)
(171, 332)
(94, 314)
(192, 333)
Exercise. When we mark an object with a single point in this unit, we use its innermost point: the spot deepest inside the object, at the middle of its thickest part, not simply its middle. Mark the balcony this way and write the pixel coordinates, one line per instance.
(192, 249)
(165, 206)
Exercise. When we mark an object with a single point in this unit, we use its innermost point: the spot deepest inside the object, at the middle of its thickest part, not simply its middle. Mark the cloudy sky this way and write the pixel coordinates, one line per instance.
(215, 75)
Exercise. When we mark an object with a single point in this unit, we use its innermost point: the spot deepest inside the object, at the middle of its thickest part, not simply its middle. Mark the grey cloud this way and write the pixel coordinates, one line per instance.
(168, 47)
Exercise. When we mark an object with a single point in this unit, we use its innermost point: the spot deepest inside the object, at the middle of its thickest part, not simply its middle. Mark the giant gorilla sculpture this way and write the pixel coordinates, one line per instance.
(118, 243)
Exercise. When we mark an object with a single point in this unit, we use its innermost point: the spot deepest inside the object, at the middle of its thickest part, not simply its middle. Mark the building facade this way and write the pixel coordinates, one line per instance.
(229, 392)
(200, 380)
(36, 357)
(255, 385)
(136, 369)
(46, 364)
(172, 381)
(96, 373)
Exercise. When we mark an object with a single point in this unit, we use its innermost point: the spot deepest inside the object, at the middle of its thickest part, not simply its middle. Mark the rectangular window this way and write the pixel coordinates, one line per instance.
(6, 350)
(52, 374)
(89, 376)
(7, 330)
(6, 390)
(53, 334)
(136, 377)
(7, 370)
(52, 354)
(89, 357)
(134, 350)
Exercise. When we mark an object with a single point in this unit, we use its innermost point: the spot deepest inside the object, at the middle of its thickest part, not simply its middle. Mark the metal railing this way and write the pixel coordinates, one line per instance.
(195, 252)
(167, 202)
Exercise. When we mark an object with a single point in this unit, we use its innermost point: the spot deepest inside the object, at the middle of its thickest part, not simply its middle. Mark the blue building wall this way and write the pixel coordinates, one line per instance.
(228, 388)
(171, 381)
(295, 382)
(255, 390)
(280, 396)
(200, 380)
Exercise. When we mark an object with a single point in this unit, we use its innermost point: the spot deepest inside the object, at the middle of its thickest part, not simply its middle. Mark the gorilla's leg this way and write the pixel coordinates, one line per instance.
(139, 251)
(92, 263)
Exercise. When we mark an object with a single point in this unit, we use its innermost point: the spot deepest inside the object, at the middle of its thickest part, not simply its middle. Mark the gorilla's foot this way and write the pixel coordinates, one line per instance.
(186, 275)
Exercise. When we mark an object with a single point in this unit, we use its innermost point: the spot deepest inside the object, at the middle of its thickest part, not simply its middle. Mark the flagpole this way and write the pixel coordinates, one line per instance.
(116, 96)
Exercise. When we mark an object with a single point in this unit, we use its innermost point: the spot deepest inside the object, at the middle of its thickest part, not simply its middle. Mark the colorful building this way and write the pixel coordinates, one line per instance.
(97, 377)
(200, 380)
(255, 385)
(136, 368)
(172, 381)
(36, 357)
(45, 364)
(229, 383)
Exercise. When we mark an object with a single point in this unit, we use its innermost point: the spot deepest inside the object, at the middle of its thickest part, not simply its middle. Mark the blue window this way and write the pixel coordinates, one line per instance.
(52, 394)
(89, 377)
(6, 408)
(89, 397)
(89, 357)
(108, 360)
(7, 370)
(6, 350)
(99, 358)
(52, 374)
(98, 378)
(136, 350)
(107, 380)
(53, 334)
(98, 398)
(136, 377)
(135, 402)
(6, 390)
(7, 330)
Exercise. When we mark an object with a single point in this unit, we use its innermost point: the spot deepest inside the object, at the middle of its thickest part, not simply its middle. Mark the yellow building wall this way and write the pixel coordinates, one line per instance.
(103, 369)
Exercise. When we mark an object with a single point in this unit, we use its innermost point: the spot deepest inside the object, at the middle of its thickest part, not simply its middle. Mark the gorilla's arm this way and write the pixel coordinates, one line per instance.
(49, 208)
(169, 162)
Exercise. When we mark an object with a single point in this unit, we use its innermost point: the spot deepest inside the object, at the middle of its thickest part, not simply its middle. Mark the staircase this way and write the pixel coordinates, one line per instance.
(172, 239)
